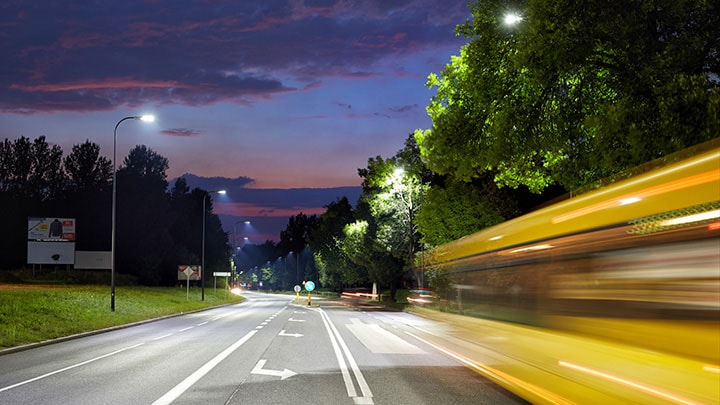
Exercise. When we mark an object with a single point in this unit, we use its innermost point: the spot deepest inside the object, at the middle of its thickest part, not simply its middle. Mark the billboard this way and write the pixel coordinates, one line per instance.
(51, 229)
(51, 240)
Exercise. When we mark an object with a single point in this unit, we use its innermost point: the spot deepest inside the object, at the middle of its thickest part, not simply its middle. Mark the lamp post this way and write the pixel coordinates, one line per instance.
(297, 267)
(145, 118)
(235, 246)
(202, 260)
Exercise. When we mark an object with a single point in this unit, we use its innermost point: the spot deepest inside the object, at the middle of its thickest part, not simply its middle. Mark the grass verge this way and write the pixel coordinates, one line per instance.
(30, 314)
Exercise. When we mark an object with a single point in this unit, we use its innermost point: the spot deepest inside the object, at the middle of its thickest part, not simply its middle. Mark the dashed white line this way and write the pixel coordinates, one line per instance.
(179, 389)
(9, 387)
(163, 336)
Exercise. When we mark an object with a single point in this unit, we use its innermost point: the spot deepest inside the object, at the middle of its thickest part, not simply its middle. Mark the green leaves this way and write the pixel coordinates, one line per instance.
(574, 91)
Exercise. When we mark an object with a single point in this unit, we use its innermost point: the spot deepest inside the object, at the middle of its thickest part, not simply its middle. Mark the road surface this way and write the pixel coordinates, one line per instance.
(266, 350)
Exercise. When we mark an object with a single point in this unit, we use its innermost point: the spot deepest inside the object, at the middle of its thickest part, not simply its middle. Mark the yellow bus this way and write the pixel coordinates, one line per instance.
(631, 270)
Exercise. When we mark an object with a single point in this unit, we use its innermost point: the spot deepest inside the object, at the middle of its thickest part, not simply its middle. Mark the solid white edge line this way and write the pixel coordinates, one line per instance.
(179, 389)
(349, 386)
(364, 387)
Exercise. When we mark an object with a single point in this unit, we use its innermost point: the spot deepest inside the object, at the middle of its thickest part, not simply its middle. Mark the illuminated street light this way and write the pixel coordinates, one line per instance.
(145, 118)
(512, 18)
(246, 222)
(202, 260)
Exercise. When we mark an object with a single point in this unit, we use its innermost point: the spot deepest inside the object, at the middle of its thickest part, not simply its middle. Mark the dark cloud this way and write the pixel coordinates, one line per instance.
(404, 108)
(98, 56)
(183, 132)
(214, 183)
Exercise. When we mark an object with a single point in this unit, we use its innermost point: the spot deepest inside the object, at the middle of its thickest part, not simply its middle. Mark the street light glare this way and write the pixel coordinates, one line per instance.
(222, 191)
(147, 118)
(512, 18)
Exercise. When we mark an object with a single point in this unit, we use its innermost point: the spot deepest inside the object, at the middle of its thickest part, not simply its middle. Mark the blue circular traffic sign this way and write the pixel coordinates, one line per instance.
(309, 285)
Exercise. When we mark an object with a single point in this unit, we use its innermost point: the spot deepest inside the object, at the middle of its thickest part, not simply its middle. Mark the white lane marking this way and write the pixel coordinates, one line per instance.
(179, 389)
(184, 329)
(295, 320)
(203, 323)
(367, 396)
(378, 340)
(258, 369)
(349, 386)
(283, 333)
(163, 336)
(9, 387)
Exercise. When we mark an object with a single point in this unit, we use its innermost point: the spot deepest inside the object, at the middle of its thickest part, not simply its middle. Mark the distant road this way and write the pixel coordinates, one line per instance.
(265, 350)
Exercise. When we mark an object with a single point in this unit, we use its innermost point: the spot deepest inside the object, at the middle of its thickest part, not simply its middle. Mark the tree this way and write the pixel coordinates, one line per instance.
(88, 192)
(31, 181)
(184, 224)
(87, 170)
(574, 93)
(294, 239)
(334, 267)
(31, 170)
(394, 190)
(454, 210)
(143, 241)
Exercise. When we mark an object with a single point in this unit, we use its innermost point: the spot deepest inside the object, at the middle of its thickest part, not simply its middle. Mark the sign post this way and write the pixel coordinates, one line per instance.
(217, 274)
(188, 272)
(309, 286)
(297, 292)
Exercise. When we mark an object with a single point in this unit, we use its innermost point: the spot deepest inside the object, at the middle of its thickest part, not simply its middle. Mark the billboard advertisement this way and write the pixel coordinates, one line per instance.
(51, 229)
(51, 240)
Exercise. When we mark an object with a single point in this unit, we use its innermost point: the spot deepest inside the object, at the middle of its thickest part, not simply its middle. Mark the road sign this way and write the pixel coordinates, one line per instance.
(221, 273)
(309, 285)
(297, 288)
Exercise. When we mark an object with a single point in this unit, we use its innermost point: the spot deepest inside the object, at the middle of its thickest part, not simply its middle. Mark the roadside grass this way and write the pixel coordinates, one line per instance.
(30, 314)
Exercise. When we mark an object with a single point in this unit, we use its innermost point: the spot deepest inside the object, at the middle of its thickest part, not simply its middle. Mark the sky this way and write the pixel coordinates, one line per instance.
(278, 102)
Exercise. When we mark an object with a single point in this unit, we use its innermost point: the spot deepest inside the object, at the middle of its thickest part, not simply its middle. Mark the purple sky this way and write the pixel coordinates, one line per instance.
(248, 95)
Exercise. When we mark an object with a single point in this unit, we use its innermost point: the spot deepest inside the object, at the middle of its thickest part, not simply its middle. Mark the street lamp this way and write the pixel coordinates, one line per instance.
(512, 18)
(297, 267)
(145, 118)
(202, 261)
(246, 222)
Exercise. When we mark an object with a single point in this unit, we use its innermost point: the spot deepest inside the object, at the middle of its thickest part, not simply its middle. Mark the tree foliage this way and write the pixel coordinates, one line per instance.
(454, 211)
(156, 229)
(575, 91)
(334, 267)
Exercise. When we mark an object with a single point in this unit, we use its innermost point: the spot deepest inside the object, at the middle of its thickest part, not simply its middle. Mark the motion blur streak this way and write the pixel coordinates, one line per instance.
(676, 185)
(712, 369)
(632, 384)
(623, 279)
(499, 377)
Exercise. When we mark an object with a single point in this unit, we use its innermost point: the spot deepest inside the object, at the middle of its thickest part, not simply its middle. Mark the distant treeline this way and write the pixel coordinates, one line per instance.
(157, 229)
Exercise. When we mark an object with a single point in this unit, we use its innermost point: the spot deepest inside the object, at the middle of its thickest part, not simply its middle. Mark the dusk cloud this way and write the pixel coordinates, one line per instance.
(279, 102)
(70, 56)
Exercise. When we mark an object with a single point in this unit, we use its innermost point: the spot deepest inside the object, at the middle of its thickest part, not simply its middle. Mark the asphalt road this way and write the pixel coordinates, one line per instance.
(266, 350)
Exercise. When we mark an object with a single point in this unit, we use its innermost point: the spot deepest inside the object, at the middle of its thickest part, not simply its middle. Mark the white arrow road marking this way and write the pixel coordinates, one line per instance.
(174, 393)
(282, 374)
(295, 320)
(282, 333)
